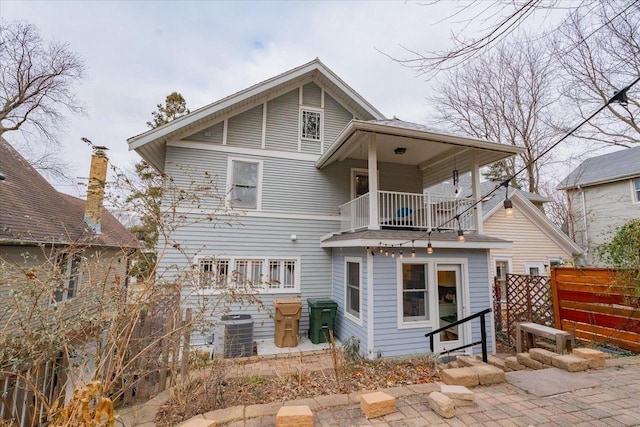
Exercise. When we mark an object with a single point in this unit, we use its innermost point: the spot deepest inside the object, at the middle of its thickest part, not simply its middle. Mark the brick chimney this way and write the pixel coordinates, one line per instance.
(95, 192)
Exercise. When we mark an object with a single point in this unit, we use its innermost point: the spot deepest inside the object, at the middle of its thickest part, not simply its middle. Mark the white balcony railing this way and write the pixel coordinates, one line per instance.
(408, 210)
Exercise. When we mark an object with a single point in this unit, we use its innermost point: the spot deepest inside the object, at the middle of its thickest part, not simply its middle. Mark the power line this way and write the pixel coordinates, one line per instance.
(619, 96)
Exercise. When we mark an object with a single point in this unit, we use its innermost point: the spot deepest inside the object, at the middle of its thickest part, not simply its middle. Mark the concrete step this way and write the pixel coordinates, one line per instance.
(470, 376)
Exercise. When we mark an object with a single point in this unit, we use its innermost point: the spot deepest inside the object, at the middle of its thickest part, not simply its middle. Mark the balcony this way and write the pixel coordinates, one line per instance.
(407, 211)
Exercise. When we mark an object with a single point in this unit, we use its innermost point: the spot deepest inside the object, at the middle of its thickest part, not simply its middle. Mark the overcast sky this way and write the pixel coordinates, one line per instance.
(138, 52)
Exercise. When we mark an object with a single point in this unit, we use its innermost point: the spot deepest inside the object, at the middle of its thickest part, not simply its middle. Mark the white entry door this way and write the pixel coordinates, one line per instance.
(451, 305)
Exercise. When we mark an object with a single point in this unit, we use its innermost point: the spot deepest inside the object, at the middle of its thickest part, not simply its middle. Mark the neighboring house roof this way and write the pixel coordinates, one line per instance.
(525, 207)
(611, 167)
(32, 211)
(151, 144)
(522, 200)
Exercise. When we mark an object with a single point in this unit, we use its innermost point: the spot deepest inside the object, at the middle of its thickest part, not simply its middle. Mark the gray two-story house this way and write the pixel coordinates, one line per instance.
(331, 202)
(603, 193)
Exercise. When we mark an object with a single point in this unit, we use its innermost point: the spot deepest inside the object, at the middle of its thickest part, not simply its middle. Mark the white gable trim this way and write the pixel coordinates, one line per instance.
(533, 214)
(202, 113)
(244, 151)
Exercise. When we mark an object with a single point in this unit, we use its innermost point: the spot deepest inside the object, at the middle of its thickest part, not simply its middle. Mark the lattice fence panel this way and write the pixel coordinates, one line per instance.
(528, 300)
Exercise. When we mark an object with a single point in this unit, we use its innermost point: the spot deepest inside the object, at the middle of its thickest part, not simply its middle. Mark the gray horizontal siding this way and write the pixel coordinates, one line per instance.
(282, 122)
(266, 237)
(245, 129)
(212, 134)
(311, 95)
(346, 327)
(391, 341)
(336, 117)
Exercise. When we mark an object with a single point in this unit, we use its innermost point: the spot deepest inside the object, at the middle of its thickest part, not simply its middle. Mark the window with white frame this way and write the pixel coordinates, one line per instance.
(249, 273)
(311, 124)
(636, 189)
(353, 280)
(244, 183)
(503, 267)
(534, 268)
(67, 276)
(415, 293)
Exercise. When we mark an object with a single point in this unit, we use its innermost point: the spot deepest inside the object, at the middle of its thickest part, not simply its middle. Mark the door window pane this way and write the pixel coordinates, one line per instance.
(448, 303)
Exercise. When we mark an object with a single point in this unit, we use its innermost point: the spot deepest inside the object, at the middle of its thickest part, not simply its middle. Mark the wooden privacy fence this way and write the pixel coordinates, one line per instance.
(597, 305)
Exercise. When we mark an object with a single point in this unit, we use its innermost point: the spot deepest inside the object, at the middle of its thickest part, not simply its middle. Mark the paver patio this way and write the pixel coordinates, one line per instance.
(614, 400)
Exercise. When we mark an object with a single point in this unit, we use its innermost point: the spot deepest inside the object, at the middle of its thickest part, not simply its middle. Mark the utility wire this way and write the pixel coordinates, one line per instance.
(619, 96)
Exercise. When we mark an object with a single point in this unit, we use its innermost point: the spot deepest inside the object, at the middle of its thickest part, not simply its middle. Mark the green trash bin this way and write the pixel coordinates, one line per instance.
(322, 316)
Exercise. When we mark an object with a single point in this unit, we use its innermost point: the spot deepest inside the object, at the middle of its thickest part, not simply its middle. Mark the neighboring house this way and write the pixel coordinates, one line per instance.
(538, 243)
(56, 235)
(603, 194)
(300, 155)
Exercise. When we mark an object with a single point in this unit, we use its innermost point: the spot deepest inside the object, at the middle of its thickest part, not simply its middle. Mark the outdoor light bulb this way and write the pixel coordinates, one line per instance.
(413, 253)
(401, 255)
(380, 250)
(386, 252)
(393, 254)
(508, 208)
(460, 236)
(429, 248)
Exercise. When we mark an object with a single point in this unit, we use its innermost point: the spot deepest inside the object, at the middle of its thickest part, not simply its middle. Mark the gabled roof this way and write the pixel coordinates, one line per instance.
(611, 167)
(151, 144)
(32, 211)
(533, 214)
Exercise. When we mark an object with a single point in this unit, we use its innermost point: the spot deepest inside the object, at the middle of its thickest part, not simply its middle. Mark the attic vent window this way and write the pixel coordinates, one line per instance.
(311, 124)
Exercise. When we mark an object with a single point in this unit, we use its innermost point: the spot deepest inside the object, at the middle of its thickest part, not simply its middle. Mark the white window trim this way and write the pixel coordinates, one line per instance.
(432, 268)
(539, 264)
(300, 138)
(355, 260)
(634, 194)
(509, 271)
(265, 266)
(260, 164)
(430, 288)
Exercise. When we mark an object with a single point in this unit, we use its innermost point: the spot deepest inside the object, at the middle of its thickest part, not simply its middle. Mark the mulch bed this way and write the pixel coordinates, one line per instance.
(213, 391)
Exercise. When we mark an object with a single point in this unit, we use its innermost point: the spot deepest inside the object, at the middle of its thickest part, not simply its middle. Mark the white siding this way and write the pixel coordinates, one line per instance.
(311, 94)
(530, 244)
(212, 134)
(282, 122)
(608, 207)
(245, 129)
(266, 237)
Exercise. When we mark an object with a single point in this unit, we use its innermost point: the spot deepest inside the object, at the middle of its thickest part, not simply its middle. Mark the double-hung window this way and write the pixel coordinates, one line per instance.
(353, 293)
(636, 189)
(257, 274)
(415, 293)
(67, 276)
(244, 183)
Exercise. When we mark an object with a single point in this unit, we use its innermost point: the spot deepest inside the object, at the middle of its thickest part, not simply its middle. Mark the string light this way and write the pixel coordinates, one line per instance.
(401, 255)
(429, 247)
(413, 249)
(460, 232)
(508, 204)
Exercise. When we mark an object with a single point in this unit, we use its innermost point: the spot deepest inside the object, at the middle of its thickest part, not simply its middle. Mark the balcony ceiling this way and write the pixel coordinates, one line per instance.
(434, 153)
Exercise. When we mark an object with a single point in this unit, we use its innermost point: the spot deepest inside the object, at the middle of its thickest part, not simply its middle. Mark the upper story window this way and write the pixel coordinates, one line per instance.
(311, 124)
(245, 178)
(636, 189)
(67, 274)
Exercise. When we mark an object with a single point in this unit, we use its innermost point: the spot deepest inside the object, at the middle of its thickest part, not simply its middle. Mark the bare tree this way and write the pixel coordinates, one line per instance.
(36, 80)
(506, 95)
(600, 54)
(499, 20)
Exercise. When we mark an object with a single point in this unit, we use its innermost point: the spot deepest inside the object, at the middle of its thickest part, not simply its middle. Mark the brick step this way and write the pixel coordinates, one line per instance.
(470, 376)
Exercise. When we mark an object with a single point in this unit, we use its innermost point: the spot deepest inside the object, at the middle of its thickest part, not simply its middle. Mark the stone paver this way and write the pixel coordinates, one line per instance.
(613, 401)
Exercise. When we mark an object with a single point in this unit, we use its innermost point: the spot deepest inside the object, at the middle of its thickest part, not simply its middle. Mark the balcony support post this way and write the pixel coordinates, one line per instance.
(374, 217)
(475, 184)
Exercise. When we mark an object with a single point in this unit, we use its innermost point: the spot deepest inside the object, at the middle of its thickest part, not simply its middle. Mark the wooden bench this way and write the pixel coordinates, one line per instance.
(529, 330)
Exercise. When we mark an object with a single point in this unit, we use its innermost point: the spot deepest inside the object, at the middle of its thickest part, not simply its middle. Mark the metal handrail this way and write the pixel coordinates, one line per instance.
(483, 333)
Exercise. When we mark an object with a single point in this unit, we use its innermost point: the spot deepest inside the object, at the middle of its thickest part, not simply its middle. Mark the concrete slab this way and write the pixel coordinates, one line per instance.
(549, 382)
